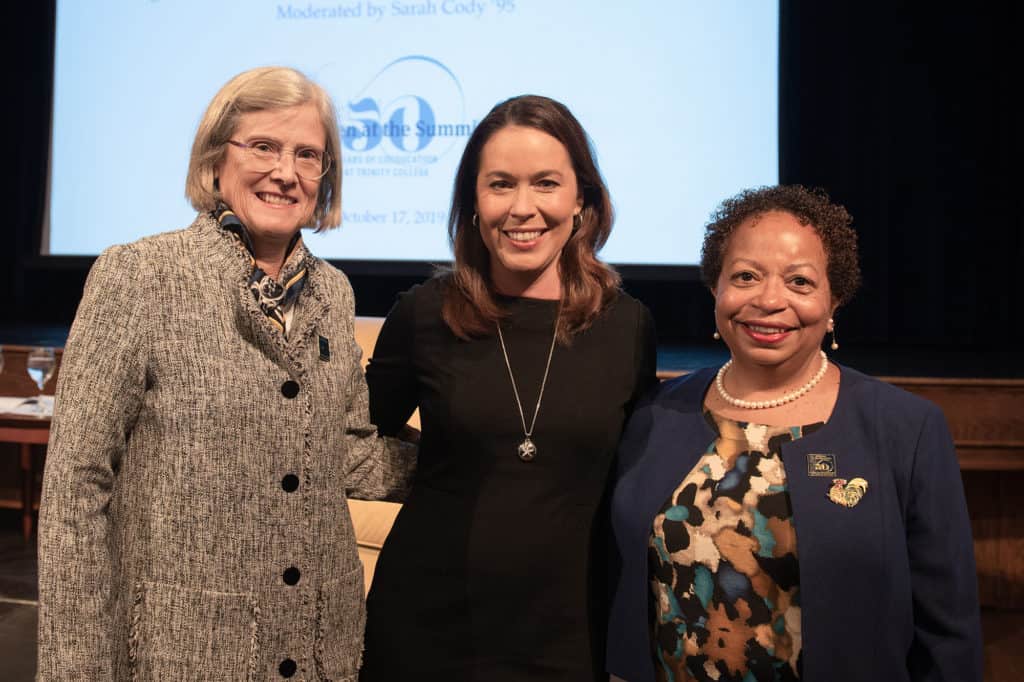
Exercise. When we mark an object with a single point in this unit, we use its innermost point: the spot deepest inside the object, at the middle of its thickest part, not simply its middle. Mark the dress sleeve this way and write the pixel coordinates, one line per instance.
(378, 468)
(947, 630)
(99, 391)
(391, 370)
(646, 353)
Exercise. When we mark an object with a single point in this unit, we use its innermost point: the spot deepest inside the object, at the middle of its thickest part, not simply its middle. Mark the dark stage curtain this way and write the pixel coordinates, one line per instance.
(904, 112)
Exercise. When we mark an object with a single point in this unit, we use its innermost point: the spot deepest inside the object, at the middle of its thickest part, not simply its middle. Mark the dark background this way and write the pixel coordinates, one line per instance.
(902, 112)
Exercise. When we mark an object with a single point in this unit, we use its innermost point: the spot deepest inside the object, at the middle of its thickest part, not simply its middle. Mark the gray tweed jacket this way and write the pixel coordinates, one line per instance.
(194, 522)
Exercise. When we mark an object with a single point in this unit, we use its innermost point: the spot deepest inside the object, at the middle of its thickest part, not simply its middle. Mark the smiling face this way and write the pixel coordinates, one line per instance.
(773, 302)
(526, 197)
(272, 204)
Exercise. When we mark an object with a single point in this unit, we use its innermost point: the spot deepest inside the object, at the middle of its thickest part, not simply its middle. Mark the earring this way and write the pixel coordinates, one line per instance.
(475, 220)
(832, 329)
(577, 221)
(716, 336)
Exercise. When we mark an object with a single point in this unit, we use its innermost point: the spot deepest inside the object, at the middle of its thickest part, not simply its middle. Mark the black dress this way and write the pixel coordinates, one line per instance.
(489, 570)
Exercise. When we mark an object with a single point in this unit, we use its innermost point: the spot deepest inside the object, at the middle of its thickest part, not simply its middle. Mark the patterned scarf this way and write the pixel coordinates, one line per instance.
(274, 297)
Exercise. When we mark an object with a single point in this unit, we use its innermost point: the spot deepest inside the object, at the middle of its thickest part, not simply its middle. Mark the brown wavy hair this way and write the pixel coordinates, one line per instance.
(588, 285)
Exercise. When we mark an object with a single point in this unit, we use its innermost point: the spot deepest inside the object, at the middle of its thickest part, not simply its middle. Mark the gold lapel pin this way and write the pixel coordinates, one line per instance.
(846, 493)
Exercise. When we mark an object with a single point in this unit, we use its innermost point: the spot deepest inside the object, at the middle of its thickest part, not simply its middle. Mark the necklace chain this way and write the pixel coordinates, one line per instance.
(762, 404)
(527, 450)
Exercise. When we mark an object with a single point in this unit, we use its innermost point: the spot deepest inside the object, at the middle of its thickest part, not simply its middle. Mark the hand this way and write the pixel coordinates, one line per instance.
(409, 434)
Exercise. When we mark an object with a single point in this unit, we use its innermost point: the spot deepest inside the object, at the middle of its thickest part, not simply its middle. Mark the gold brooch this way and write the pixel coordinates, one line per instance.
(847, 494)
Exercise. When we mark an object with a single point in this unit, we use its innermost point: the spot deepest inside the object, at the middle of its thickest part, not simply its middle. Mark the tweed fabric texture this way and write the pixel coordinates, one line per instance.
(166, 526)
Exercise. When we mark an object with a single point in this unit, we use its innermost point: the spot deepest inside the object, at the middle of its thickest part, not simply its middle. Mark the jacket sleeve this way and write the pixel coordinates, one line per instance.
(947, 630)
(379, 468)
(100, 388)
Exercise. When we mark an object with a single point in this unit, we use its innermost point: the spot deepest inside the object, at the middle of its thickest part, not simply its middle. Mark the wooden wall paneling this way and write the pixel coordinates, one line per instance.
(986, 419)
(985, 416)
(994, 499)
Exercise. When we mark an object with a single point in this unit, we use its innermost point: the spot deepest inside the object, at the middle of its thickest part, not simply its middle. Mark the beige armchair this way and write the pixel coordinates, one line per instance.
(372, 520)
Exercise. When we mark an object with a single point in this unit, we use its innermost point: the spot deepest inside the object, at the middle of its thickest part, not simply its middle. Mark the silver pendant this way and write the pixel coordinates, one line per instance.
(527, 450)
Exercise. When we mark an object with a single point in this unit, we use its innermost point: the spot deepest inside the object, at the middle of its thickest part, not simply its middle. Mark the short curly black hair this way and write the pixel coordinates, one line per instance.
(809, 206)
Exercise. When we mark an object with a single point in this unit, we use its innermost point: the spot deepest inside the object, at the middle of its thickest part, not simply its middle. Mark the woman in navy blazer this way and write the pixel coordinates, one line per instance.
(782, 517)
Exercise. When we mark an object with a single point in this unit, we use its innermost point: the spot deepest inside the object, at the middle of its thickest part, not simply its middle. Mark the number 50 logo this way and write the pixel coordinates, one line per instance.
(407, 123)
(387, 112)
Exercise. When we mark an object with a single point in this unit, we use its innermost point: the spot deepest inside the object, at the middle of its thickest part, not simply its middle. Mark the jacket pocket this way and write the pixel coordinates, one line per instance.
(341, 618)
(177, 633)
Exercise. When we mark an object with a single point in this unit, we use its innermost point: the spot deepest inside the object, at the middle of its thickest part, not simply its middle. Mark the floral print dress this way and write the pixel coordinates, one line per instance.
(724, 575)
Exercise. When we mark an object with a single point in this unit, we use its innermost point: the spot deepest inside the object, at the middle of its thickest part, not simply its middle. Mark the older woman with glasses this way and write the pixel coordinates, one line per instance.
(211, 419)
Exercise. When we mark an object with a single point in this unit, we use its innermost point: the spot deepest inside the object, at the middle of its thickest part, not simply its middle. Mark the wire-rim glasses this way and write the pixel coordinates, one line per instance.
(263, 155)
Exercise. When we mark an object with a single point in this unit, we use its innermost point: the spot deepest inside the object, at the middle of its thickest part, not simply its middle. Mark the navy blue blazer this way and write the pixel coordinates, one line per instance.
(888, 589)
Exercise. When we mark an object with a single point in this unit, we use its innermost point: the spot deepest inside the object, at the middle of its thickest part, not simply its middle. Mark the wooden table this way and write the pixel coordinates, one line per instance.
(26, 432)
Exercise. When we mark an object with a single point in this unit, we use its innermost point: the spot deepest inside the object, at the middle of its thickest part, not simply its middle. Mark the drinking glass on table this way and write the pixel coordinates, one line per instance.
(40, 364)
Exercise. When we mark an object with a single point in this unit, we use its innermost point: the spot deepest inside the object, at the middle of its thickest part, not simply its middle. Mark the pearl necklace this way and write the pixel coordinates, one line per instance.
(762, 404)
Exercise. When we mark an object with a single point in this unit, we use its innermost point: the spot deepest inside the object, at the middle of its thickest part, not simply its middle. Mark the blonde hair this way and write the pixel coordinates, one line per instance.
(270, 87)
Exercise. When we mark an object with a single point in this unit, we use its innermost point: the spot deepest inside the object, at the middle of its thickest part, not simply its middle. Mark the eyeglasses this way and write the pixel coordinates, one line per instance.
(310, 163)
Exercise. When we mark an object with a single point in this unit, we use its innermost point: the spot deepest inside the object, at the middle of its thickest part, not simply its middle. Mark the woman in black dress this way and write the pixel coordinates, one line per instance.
(524, 360)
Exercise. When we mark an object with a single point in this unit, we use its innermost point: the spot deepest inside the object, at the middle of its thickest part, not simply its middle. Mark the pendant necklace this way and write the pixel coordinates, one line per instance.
(527, 450)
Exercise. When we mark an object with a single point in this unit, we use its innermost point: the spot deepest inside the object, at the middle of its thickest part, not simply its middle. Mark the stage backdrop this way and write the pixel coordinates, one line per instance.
(680, 100)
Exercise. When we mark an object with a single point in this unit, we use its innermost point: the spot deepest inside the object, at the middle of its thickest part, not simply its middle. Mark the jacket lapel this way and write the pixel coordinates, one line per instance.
(313, 306)
(834, 541)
